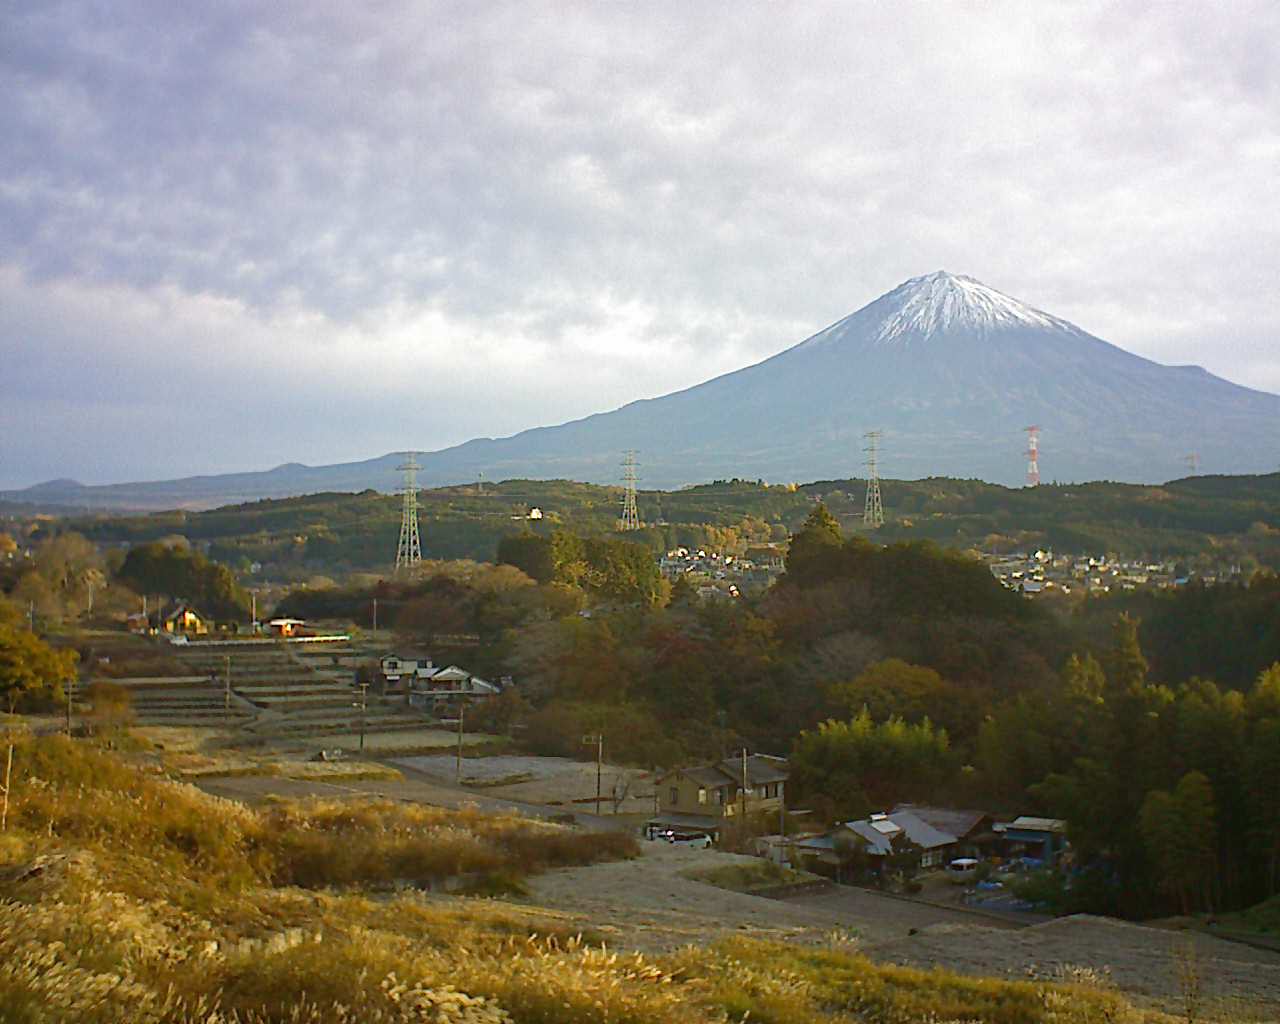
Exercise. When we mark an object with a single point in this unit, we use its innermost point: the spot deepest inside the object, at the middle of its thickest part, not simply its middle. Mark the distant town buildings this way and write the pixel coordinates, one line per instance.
(1042, 573)
(717, 576)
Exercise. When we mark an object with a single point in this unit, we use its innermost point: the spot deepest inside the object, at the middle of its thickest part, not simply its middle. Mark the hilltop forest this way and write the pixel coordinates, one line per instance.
(1207, 521)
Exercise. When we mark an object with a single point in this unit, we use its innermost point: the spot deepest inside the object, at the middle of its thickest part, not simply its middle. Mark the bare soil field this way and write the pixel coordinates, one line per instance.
(553, 781)
(648, 904)
(1238, 983)
(404, 742)
(196, 753)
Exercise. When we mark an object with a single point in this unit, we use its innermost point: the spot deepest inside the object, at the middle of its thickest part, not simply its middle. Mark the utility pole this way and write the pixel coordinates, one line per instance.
(31, 616)
(872, 509)
(598, 740)
(8, 775)
(364, 707)
(226, 693)
(71, 696)
(253, 615)
(375, 615)
(462, 707)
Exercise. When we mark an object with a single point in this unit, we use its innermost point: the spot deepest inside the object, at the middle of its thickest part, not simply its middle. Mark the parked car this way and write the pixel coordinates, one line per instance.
(697, 840)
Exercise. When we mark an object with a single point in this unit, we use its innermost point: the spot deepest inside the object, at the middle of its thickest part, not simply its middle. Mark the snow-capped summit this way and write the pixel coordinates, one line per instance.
(934, 304)
(942, 302)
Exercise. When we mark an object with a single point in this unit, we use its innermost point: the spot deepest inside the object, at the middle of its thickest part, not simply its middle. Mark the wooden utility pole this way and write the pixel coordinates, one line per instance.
(71, 696)
(364, 706)
(598, 740)
(8, 774)
(226, 693)
(375, 616)
(462, 707)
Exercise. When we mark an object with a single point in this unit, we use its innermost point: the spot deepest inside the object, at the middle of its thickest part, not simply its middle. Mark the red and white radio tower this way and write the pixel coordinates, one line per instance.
(1033, 456)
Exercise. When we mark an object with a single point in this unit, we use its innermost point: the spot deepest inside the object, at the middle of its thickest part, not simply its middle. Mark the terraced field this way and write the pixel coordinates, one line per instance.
(267, 691)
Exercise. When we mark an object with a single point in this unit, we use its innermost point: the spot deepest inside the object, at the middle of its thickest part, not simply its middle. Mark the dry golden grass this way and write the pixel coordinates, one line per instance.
(125, 897)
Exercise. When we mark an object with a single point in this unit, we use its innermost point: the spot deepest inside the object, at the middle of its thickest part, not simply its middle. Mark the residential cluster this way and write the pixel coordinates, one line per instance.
(706, 804)
(717, 576)
(1042, 572)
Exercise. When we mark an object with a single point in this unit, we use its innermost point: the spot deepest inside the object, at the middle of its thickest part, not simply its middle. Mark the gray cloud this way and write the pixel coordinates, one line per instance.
(452, 219)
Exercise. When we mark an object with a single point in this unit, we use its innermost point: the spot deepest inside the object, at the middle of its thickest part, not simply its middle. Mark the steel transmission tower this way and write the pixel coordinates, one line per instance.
(872, 509)
(1033, 456)
(630, 514)
(409, 550)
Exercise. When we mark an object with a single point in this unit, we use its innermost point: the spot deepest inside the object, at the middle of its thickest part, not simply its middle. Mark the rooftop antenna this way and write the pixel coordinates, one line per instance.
(1033, 456)
(1192, 460)
(630, 513)
(872, 509)
(409, 550)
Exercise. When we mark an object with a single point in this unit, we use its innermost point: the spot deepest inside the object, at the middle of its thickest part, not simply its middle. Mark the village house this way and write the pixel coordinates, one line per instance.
(1038, 838)
(941, 834)
(425, 685)
(182, 618)
(285, 627)
(399, 670)
(704, 799)
(451, 682)
(972, 831)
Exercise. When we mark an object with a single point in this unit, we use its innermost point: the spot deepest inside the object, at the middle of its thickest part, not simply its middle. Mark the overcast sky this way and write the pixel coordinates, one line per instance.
(239, 234)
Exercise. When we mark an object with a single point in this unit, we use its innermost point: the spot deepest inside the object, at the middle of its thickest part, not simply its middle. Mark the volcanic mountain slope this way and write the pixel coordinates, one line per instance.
(949, 369)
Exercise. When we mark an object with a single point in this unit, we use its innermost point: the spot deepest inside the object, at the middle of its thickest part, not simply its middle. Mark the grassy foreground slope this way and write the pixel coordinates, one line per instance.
(125, 896)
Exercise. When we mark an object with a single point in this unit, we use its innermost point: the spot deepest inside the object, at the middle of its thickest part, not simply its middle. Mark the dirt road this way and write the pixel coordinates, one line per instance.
(647, 904)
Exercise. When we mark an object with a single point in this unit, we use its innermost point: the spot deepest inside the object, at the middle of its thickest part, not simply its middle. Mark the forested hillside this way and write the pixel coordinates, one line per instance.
(1207, 521)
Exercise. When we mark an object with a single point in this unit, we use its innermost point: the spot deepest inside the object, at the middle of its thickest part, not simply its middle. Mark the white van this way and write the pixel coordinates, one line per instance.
(962, 870)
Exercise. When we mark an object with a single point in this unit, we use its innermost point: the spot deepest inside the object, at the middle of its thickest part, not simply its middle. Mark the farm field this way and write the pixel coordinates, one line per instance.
(554, 781)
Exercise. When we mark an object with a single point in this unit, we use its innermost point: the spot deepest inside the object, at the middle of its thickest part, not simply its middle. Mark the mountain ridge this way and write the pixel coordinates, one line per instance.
(950, 370)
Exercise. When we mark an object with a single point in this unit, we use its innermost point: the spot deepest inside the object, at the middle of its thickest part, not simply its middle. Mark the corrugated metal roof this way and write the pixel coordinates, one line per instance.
(920, 831)
(957, 822)
(1029, 823)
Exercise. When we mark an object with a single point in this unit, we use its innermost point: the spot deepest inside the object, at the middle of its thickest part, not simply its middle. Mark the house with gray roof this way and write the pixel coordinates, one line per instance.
(705, 798)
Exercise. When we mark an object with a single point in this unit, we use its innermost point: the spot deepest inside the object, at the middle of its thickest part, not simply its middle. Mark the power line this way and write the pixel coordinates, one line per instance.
(630, 513)
(409, 549)
(872, 508)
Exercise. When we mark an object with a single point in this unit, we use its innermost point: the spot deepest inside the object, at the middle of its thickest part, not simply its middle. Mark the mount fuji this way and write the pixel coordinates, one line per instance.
(949, 369)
